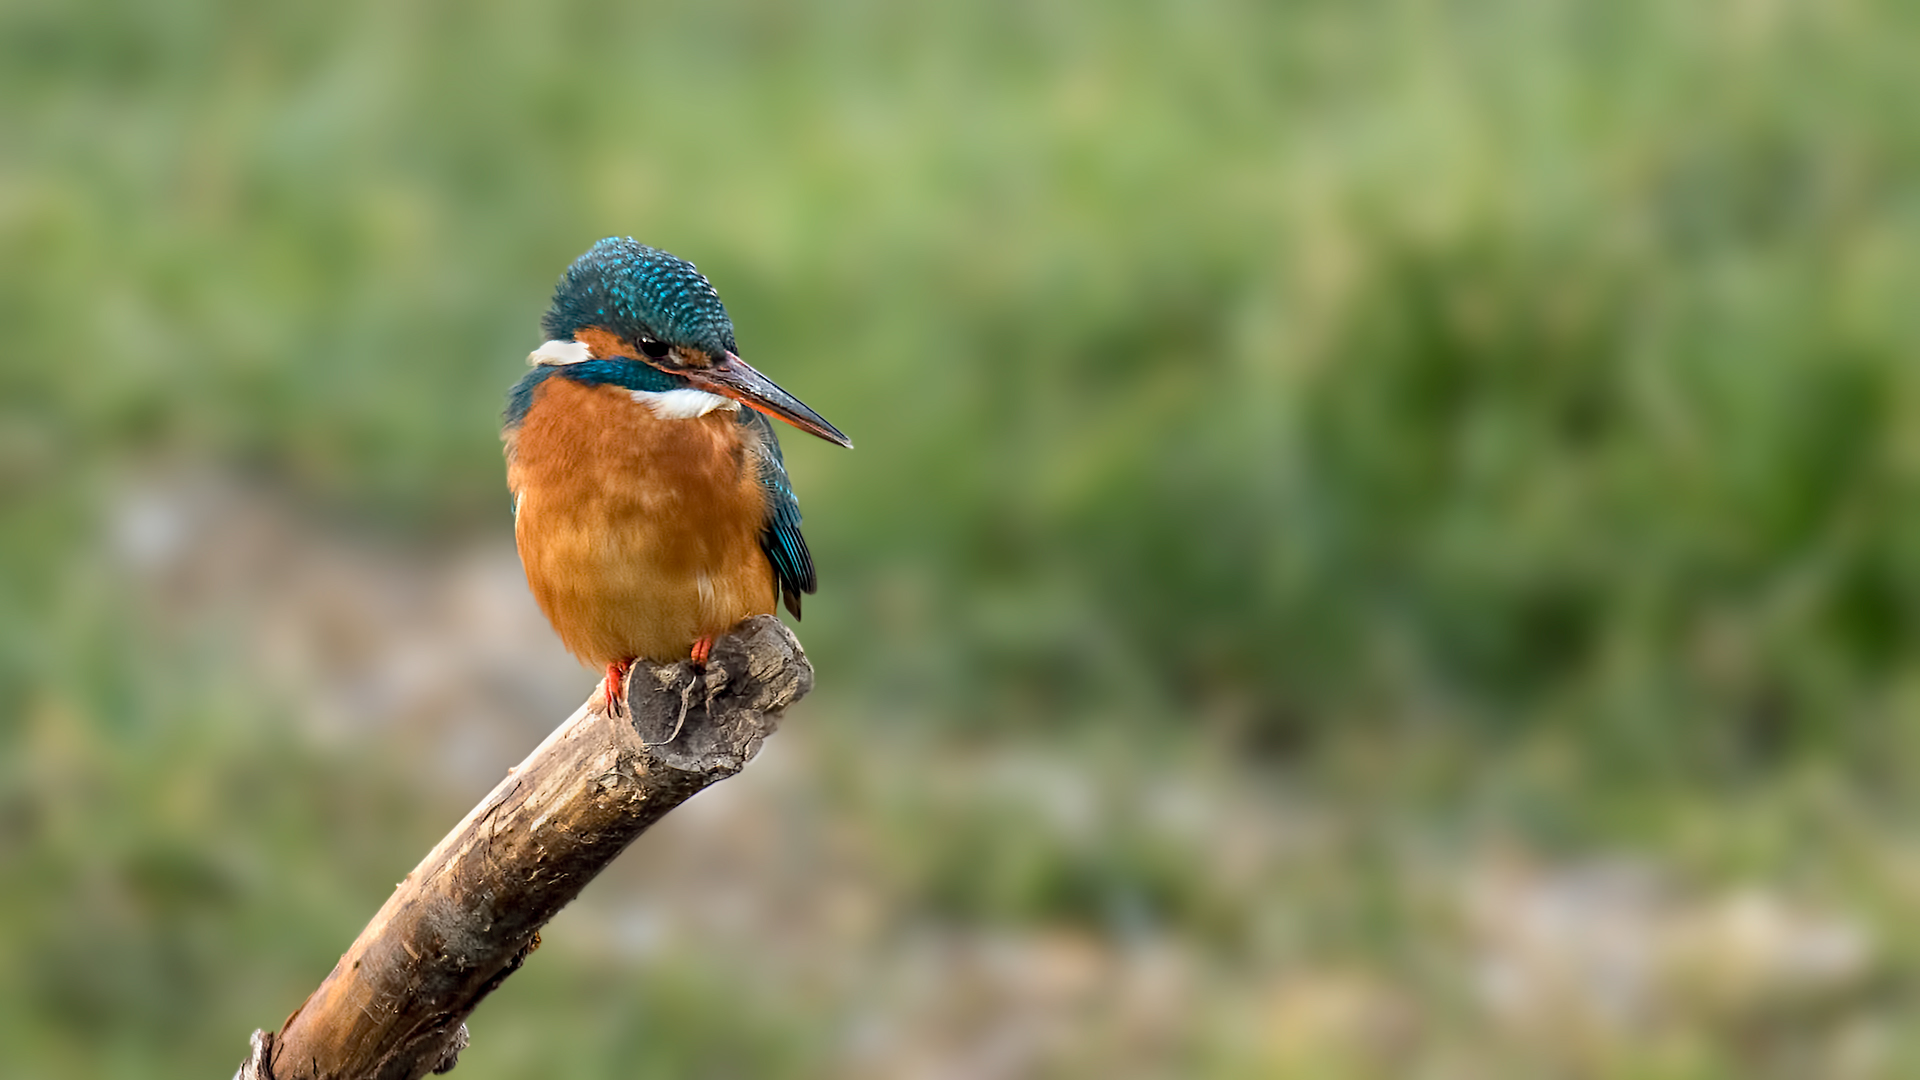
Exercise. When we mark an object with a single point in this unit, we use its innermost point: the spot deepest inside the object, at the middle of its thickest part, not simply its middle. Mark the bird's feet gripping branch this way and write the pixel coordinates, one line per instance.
(651, 511)
(613, 687)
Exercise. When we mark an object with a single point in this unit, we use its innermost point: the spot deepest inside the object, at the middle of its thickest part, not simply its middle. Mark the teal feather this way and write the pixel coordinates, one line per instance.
(780, 537)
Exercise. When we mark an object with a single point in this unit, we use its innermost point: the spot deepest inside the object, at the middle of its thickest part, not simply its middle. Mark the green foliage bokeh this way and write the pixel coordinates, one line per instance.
(1265, 373)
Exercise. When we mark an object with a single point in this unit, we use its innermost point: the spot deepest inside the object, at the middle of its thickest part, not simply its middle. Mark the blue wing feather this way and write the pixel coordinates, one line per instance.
(780, 537)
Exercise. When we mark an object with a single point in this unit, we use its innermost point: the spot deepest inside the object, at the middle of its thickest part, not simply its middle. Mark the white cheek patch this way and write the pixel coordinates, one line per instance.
(682, 404)
(560, 353)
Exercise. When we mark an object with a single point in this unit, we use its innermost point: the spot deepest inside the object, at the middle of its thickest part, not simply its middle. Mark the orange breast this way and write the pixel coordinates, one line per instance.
(638, 535)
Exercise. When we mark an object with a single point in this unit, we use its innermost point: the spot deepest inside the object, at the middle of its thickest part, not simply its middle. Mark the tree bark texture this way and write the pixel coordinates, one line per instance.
(395, 1006)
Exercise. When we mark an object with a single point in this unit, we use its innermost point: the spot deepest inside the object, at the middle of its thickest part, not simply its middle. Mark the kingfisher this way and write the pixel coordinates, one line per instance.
(651, 511)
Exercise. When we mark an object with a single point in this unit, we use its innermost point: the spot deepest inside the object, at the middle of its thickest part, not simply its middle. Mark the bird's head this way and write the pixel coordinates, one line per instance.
(625, 300)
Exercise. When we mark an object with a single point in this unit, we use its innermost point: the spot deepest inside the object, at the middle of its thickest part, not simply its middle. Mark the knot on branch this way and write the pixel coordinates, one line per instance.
(712, 719)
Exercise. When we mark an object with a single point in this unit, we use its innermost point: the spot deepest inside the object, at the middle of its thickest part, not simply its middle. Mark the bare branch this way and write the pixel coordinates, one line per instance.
(395, 1006)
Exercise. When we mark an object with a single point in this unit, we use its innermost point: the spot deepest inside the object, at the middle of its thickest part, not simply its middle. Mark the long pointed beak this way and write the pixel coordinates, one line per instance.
(733, 377)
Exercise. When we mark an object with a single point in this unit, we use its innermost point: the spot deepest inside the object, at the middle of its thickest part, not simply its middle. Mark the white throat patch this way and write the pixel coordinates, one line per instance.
(683, 404)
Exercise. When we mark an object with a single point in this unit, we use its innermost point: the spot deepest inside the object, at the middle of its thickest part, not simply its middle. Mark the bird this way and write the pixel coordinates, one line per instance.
(652, 508)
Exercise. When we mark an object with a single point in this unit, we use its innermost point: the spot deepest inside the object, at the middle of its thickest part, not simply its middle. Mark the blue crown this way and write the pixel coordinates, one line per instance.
(634, 290)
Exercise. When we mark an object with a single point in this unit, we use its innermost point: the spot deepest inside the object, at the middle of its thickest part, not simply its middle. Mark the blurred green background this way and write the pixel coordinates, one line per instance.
(1385, 538)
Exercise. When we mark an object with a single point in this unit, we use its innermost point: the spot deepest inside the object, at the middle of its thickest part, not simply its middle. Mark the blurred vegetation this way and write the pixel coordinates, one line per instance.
(1453, 413)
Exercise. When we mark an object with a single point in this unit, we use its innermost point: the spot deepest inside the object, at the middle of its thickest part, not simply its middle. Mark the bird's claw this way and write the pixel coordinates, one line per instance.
(614, 688)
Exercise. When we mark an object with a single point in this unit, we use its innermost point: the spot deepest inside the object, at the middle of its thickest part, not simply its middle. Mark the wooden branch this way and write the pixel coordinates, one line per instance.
(395, 1006)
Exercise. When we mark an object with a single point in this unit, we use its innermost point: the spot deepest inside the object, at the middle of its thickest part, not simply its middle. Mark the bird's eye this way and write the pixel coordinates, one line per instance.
(655, 350)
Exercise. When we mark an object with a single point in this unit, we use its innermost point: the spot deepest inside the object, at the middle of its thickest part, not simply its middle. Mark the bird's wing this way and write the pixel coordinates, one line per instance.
(780, 535)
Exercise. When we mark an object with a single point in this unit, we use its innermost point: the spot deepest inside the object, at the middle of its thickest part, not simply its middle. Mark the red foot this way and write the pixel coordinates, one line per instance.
(615, 686)
(701, 650)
